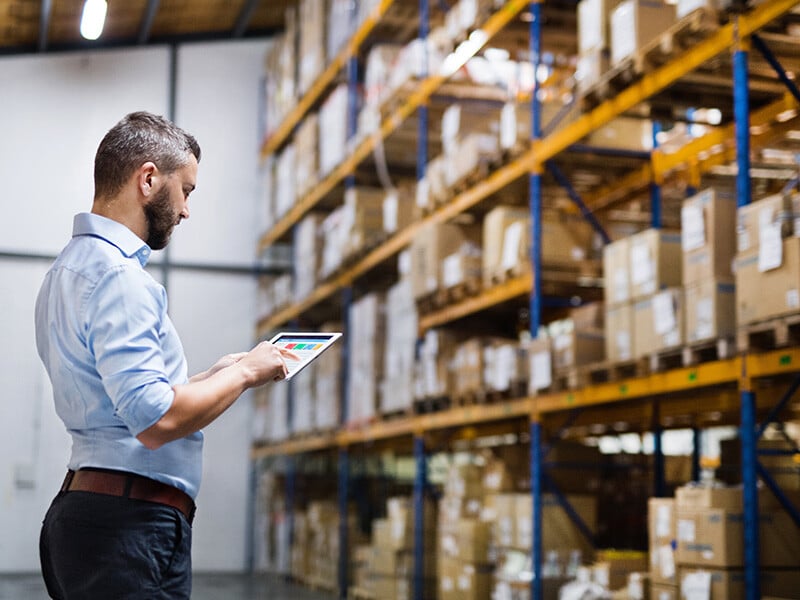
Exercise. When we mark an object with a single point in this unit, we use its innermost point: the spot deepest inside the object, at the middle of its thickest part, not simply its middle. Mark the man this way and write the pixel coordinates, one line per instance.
(120, 526)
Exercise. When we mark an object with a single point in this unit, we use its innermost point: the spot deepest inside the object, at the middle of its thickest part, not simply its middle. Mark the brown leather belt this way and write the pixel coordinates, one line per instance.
(128, 485)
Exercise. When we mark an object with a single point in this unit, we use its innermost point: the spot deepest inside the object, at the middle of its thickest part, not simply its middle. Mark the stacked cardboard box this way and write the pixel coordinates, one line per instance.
(707, 220)
(767, 261)
(328, 383)
(274, 293)
(362, 220)
(398, 209)
(306, 141)
(279, 69)
(311, 42)
(594, 41)
(710, 549)
(505, 242)
(655, 276)
(304, 409)
(397, 389)
(285, 182)
(390, 565)
(539, 361)
(617, 294)
(306, 251)
(270, 414)
(339, 26)
(432, 367)
(333, 118)
(467, 369)
(576, 345)
(365, 365)
(662, 535)
(429, 250)
(636, 23)
(502, 365)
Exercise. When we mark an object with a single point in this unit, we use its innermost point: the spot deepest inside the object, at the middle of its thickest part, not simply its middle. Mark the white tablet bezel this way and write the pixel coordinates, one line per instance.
(328, 338)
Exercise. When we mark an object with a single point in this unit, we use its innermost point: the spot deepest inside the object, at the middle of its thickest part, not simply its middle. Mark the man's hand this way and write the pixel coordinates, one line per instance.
(266, 362)
(222, 363)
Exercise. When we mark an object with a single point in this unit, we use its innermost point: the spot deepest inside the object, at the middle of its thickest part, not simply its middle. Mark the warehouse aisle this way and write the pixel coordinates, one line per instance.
(206, 587)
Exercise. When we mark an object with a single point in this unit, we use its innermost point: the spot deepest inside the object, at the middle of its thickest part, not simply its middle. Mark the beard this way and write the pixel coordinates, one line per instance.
(161, 220)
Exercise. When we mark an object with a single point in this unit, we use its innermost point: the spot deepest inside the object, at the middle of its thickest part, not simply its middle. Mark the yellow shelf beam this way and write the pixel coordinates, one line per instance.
(775, 362)
(420, 95)
(652, 83)
(324, 80)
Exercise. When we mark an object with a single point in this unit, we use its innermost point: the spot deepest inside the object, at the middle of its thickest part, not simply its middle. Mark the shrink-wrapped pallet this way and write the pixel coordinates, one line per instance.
(304, 409)
(286, 184)
(306, 251)
(397, 389)
(362, 219)
(333, 119)
(311, 58)
(306, 141)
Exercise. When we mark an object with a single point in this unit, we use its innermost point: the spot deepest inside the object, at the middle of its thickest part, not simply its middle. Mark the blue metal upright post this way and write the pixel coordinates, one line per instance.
(659, 484)
(741, 109)
(655, 189)
(697, 447)
(420, 483)
(535, 316)
(344, 484)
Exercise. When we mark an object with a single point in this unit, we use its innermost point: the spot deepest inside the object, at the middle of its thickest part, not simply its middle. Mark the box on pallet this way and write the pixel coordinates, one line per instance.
(434, 243)
(707, 220)
(398, 209)
(771, 217)
(660, 591)
(306, 142)
(432, 369)
(655, 261)
(305, 406)
(362, 219)
(594, 22)
(724, 584)
(540, 363)
(397, 389)
(467, 368)
(285, 184)
(306, 251)
(661, 521)
(463, 581)
(619, 332)
(333, 121)
(573, 347)
(710, 308)
(467, 540)
(616, 272)
(635, 23)
(624, 133)
(658, 322)
(505, 235)
(766, 294)
(501, 364)
(612, 568)
(365, 359)
(311, 45)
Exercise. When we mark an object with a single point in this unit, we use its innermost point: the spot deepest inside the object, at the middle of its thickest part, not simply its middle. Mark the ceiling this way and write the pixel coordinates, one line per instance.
(31, 26)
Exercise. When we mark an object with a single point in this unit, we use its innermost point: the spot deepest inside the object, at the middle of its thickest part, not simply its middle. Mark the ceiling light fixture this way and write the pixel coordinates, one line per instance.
(93, 18)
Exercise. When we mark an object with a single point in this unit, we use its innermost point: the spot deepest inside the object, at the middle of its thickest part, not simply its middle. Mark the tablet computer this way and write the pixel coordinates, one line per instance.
(307, 346)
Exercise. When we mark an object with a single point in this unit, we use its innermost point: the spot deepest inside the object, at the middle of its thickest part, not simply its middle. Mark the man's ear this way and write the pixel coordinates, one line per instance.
(146, 177)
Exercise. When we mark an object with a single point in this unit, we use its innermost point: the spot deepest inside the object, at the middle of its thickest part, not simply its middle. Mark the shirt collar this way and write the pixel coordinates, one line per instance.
(114, 233)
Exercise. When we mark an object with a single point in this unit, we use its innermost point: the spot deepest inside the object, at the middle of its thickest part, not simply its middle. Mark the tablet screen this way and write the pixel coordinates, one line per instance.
(307, 347)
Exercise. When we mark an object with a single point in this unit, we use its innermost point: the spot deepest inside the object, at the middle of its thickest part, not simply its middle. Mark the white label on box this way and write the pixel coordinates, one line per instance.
(620, 285)
(623, 339)
(770, 250)
(705, 319)
(508, 126)
(591, 23)
(664, 319)
(742, 240)
(671, 338)
(452, 270)
(663, 521)
(390, 210)
(693, 230)
(793, 298)
(451, 121)
(635, 587)
(686, 531)
(541, 370)
(642, 265)
(512, 240)
(447, 584)
(666, 561)
(463, 582)
(623, 31)
(696, 586)
(562, 341)
(423, 192)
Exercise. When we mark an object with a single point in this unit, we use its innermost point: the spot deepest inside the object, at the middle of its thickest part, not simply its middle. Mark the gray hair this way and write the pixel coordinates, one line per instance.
(138, 138)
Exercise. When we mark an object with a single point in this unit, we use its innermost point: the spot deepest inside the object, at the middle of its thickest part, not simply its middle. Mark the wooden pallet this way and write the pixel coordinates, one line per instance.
(664, 360)
(707, 351)
(666, 47)
(463, 290)
(502, 276)
(569, 378)
(428, 405)
(769, 335)
(607, 371)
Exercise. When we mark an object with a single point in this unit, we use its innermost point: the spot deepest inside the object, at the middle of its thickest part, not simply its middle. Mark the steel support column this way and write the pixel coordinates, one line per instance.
(655, 189)
(659, 485)
(343, 488)
(697, 447)
(537, 590)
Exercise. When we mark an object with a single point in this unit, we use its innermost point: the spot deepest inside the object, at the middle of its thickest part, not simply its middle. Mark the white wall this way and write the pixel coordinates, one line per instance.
(56, 108)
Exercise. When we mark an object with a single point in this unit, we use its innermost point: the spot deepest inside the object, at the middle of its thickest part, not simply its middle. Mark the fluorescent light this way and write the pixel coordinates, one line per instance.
(93, 18)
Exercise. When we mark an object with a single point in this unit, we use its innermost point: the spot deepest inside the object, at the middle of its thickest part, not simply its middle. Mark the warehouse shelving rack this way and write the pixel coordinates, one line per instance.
(729, 387)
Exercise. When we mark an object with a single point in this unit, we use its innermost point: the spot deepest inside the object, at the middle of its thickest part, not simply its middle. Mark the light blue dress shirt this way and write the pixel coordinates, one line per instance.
(113, 355)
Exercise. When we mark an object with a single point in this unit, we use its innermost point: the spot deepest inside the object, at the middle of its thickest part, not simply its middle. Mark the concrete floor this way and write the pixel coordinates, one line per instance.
(205, 587)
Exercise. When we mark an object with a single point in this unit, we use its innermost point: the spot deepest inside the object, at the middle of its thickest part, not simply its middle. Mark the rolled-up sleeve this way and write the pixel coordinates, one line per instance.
(123, 319)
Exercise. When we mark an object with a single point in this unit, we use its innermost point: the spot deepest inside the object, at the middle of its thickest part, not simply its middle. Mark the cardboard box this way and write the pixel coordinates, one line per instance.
(540, 364)
(707, 220)
(469, 542)
(762, 295)
(575, 348)
(772, 216)
(589, 316)
(365, 360)
(624, 133)
(619, 333)
(634, 23)
(312, 19)
(714, 537)
(434, 243)
(504, 240)
(616, 271)
(717, 584)
(306, 142)
(655, 262)
(661, 529)
(710, 311)
(612, 568)
(559, 533)
(659, 591)
(398, 209)
(590, 68)
(658, 322)
(459, 580)
(594, 24)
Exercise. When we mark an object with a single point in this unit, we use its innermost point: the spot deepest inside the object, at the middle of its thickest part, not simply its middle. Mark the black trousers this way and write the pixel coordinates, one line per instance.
(94, 546)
